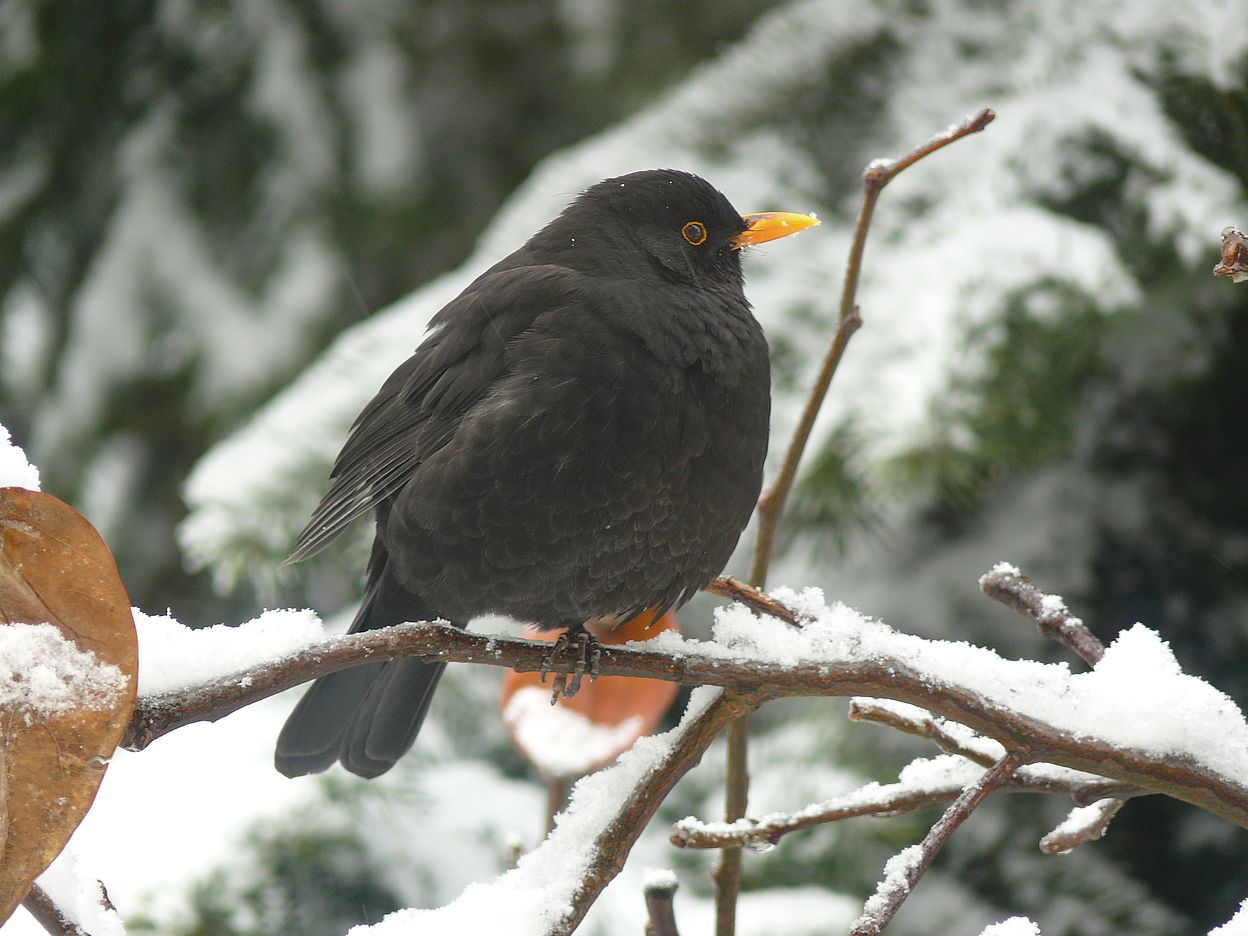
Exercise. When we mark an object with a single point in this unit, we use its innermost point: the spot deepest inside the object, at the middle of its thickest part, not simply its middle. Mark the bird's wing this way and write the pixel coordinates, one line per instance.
(420, 406)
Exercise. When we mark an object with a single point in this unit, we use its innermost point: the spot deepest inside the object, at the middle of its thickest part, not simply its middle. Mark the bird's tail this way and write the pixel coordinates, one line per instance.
(368, 716)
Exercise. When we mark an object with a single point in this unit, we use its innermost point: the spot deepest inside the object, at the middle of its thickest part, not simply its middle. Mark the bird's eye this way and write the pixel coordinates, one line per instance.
(694, 232)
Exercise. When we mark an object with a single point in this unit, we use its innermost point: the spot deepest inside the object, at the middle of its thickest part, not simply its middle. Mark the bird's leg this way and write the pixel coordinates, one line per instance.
(588, 654)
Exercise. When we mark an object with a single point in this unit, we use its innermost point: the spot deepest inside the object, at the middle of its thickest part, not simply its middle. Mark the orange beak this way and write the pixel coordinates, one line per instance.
(763, 226)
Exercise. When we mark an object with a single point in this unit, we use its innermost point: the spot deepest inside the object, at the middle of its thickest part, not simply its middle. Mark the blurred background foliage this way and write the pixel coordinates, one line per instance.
(196, 197)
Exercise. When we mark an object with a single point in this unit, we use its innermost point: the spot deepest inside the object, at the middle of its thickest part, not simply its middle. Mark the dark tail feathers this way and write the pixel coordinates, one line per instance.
(368, 716)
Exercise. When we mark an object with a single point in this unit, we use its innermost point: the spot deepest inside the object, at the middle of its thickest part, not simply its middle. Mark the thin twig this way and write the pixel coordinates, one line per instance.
(876, 800)
(1010, 587)
(973, 747)
(1007, 585)
(40, 905)
(1083, 825)
(906, 868)
(659, 908)
(953, 738)
(737, 590)
(874, 178)
(727, 873)
(771, 505)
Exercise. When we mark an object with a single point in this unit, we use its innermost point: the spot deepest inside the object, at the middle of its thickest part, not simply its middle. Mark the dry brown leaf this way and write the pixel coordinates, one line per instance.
(60, 721)
(1234, 256)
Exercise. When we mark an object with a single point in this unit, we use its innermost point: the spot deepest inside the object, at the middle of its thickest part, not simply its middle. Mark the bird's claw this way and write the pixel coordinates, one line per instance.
(588, 659)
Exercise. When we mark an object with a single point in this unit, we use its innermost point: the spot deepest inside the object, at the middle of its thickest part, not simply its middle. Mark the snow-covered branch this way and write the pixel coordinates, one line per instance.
(923, 782)
(906, 867)
(1007, 585)
(1173, 733)
(554, 886)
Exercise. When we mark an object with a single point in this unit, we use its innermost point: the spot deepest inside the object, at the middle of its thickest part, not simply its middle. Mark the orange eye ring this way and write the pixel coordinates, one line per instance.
(694, 232)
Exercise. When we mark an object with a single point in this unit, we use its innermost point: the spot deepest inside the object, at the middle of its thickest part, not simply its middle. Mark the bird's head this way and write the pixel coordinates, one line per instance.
(674, 222)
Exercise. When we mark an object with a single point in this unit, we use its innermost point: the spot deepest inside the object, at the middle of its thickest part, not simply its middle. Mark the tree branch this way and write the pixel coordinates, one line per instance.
(736, 590)
(873, 799)
(1084, 788)
(660, 912)
(1007, 585)
(1010, 587)
(881, 674)
(771, 505)
(1234, 261)
(40, 905)
(877, 175)
(1083, 825)
(610, 847)
(905, 869)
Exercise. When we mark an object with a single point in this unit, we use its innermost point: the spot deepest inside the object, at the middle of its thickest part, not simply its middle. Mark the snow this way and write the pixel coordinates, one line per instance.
(44, 675)
(15, 470)
(1014, 926)
(1236, 925)
(562, 742)
(174, 656)
(538, 892)
(1080, 818)
(951, 238)
(896, 880)
(1157, 708)
(660, 878)
(80, 896)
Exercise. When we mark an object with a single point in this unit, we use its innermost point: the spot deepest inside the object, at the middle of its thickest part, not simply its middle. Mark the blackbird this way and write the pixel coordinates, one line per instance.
(580, 436)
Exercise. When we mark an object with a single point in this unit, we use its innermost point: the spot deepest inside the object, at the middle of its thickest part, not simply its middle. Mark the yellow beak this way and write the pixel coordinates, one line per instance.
(763, 226)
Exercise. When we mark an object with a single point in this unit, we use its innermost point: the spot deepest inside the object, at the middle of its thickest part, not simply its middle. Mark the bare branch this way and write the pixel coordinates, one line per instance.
(905, 869)
(1008, 586)
(736, 590)
(877, 175)
(1083, 825)
(771, 505)
(659, 908)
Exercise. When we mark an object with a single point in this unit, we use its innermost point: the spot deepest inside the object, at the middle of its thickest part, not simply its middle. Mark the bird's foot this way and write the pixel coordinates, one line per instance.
(587, 659)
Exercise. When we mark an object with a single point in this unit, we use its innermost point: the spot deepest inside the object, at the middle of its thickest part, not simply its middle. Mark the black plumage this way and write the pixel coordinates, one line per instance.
(581, 435)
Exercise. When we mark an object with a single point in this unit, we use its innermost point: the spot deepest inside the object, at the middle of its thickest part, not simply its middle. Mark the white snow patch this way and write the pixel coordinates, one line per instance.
(897, 871)
(79, 896)
(661, 878)
(536, 894)
(15, 470)
(1137, 697)
(562, 742)
(174, 656)
(1014, 926)
(43, 674)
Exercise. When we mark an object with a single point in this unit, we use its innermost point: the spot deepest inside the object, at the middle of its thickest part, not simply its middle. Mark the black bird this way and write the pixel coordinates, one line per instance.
(580, 436)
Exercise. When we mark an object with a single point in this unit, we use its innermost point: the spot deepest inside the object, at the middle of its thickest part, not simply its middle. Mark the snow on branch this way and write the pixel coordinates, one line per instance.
(1136, 719)
(1006, 584)
(921, 783)
(550, 889)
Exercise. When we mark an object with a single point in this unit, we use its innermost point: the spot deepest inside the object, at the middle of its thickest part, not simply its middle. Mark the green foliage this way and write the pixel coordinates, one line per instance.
(309, 881)
(832, 500)
(1021, 411)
